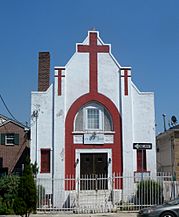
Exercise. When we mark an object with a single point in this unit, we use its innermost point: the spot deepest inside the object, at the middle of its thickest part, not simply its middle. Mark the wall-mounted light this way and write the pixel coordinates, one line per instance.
(77, 161)
(109, 161)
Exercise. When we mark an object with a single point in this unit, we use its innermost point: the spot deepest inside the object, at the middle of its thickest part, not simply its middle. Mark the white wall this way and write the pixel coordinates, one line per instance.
(76, 78)
(127, 129)
(109, 78)
(144, 123)
(41, 102)
(59, 128)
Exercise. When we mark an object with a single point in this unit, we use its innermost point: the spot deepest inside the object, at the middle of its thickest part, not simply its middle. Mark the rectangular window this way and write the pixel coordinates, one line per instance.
(141, 161)
(10, 139)
(93, 118)
(45, 160)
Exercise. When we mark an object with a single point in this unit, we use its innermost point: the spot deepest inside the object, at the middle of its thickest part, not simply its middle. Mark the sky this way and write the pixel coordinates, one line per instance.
(143, 34)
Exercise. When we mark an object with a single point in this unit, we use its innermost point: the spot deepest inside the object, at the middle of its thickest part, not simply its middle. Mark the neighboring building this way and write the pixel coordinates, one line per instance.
(168, 151)
(14, 146)
(91, 120)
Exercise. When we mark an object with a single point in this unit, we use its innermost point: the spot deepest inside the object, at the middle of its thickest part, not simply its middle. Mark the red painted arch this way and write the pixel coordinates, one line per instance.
(69, 122)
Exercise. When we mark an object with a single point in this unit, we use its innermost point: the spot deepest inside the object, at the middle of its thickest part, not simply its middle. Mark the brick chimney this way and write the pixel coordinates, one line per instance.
(44, 71)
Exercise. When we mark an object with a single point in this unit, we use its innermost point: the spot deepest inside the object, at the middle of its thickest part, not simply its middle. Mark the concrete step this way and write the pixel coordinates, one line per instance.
(100, 201)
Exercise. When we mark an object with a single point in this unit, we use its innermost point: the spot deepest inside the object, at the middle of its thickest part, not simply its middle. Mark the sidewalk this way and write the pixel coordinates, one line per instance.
(120, 214)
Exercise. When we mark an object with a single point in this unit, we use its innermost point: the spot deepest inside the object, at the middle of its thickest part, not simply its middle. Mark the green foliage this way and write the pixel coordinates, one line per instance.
(19, 206)
(149, 192)
(8, 191)
(5, 211)
(25, 202)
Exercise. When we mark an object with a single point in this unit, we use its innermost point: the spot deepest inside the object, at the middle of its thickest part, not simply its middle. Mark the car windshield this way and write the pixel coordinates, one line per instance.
(173, 202)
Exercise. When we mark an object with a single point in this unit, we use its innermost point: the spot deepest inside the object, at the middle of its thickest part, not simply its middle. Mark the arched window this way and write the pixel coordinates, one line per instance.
(93, 117)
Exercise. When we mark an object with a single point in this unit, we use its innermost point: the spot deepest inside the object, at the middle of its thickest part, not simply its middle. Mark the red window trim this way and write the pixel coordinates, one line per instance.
(139, 160)
(45, 160)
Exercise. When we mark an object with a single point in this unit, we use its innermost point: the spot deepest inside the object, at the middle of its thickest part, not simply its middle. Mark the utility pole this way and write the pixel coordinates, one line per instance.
(35, 115)
(164, 122)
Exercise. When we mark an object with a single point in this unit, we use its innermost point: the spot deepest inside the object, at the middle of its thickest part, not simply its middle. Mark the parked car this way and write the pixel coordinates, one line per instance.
(168, 209)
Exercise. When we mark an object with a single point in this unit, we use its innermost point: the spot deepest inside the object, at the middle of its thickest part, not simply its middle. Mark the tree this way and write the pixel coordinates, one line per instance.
(8, 191)
(25, 202)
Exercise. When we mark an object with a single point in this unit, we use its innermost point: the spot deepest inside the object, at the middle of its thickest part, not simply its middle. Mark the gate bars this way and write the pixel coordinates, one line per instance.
(99, 193)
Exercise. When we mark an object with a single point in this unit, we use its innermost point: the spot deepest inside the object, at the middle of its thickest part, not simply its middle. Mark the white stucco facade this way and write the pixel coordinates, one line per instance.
(101, 80)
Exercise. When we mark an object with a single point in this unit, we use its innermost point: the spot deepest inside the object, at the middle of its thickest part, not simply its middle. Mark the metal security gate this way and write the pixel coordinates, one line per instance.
(107, 195)
(95, 196)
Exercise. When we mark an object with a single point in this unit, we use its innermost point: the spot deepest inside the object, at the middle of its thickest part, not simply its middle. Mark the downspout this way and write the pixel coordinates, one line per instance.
(53, 121)
(120, 107)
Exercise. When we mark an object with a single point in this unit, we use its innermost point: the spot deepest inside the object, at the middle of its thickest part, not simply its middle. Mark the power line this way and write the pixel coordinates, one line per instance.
(7, 107)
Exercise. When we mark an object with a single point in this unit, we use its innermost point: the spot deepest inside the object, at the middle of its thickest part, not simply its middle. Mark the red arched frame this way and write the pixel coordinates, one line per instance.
(69, 123)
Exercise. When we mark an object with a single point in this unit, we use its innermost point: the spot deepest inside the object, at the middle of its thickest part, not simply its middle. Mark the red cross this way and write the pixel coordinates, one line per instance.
(93, 49)
(125, 82)
(59, 76)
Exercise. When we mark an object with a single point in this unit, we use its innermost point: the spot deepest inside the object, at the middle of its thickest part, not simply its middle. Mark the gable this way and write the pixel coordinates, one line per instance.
(94, 69)
(4, 121)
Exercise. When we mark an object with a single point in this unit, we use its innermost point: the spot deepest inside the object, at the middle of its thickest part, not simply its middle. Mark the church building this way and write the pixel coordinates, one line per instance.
(92, 120)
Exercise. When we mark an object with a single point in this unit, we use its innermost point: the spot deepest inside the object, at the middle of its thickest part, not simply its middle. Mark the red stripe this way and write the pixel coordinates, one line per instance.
(125, 82)
(59, 80)
(93, 49)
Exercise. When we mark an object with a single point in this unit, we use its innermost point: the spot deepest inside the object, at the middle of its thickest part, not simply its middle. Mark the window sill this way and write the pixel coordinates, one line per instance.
(92, 131)
(44, 172)
(9, 144)
(140, 172)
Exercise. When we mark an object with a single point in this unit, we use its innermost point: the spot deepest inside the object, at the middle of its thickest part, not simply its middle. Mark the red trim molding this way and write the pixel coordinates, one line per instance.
(93, 49)
(70, 146)
(126, 76)
(59, 76)
(125, 82)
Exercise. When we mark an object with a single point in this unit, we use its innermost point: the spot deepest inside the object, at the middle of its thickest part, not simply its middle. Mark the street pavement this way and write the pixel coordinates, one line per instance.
(119, 214)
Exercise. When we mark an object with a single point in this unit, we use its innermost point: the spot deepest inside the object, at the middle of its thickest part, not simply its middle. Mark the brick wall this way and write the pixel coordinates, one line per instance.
(44, 71)
(11, 153)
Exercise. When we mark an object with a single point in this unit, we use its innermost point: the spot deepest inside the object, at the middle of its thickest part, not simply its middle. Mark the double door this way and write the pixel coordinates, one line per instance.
(93, 171)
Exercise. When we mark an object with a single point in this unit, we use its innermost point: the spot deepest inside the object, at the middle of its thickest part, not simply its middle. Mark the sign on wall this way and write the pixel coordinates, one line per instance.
(93, 138)
(142, 145)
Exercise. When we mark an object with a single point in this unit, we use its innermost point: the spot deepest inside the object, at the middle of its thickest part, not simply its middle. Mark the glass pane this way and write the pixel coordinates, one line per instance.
(93, 118)
(79, 121)
(10, 138)
(107, 121)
